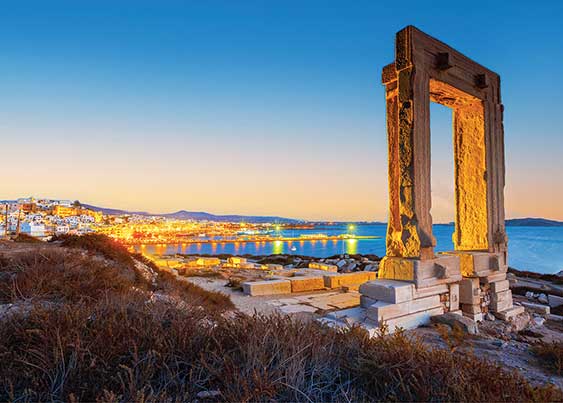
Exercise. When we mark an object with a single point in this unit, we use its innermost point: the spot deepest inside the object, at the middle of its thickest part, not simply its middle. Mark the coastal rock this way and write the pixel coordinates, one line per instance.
(371, 267)
(350, 267)
(538, 321)
(540, 309)
(555, 300)
(543, 299)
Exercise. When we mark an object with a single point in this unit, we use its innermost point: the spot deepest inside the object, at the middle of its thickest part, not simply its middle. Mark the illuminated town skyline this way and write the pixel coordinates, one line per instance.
(239, 108)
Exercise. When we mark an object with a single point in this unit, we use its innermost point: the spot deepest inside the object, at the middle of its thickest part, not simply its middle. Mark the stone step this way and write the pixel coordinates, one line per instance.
(382, 311)
(392, 291)
(350, 316)
(509, 314)
(411, 321)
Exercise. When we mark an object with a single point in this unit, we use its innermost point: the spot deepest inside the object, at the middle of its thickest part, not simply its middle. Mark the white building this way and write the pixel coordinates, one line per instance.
(62, 229)
(32, 229)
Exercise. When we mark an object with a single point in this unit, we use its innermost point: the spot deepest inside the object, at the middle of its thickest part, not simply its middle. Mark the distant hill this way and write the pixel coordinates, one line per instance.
(533, 222)
(196, 215)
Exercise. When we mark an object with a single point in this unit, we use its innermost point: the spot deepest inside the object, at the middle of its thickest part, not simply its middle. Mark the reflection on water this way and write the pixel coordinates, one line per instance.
(310, 248)
(351, 246)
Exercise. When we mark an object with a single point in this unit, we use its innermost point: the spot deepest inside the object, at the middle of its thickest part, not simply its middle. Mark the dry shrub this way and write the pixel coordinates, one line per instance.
(550, 355)
(60, 275)
(119, 345)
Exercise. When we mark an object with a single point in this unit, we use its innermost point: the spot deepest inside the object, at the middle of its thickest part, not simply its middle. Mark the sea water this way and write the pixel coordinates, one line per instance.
(538, 249)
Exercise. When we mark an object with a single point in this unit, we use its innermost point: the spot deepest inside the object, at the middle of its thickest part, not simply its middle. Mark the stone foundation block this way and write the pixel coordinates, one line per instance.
(480, 264)
(421, 292)
(366, 302)
(381, 311)
(444, 269)
(501, 301)
(271, 287)
(413, 320)
(469, 291)
(471, 309)
(494, 278)
(454, 296)
(305, 283)
(392, 291)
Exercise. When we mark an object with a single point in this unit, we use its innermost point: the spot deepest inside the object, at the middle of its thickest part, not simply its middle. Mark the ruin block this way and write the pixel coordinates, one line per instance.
(271, 287)
(385, 310)
(469, 291)
(306, 283)
(388, 290)
(336, 280)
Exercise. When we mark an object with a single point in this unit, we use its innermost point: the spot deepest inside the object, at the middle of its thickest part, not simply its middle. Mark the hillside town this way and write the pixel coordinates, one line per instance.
(43, 218)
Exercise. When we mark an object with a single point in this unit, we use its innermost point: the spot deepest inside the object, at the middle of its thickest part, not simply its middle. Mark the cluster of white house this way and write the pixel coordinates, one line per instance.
(43, 217)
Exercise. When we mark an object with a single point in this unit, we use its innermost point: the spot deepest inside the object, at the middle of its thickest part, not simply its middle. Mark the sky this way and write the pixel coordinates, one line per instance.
(258, 107)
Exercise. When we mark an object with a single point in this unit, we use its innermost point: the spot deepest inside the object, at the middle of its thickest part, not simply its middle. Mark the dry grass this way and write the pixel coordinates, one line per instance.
(25, 238)
(61, 275)
(550, 355)
(122, 349)
(194, 295)
(115, 341)
(98, 244)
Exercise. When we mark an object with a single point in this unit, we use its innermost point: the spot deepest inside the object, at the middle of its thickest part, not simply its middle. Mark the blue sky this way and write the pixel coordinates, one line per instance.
(257, 107)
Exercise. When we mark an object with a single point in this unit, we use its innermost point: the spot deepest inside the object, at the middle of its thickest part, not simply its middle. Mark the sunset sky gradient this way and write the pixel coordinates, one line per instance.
(257, 107)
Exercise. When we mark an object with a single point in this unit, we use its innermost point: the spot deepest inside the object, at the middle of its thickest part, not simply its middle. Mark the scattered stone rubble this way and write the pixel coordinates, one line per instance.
(303, 274)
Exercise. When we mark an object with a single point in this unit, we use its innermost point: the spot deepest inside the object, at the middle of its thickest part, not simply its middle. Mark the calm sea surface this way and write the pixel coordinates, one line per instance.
(538, 249)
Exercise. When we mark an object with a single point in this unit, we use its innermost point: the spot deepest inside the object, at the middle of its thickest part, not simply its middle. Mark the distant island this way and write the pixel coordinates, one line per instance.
(201, 215)
(533, 222)
(197, 215)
